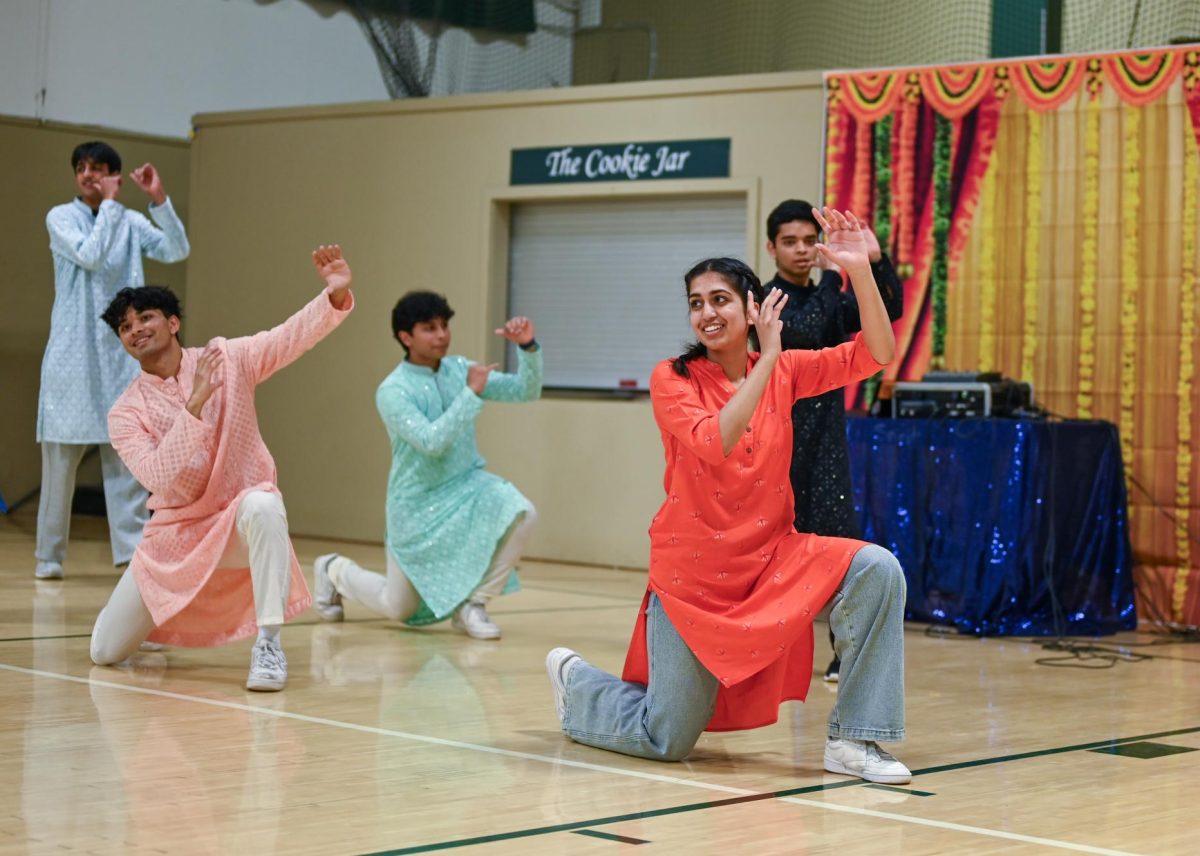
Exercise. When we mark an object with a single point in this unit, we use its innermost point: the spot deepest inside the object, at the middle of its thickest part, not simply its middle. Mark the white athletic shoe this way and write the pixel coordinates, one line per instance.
(472, 619)
(268, 667)
(48, 571)
(559, 663)
(864, 758)
(326, 600)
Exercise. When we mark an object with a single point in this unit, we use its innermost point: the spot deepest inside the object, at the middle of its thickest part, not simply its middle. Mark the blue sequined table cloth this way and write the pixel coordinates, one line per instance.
(1004, 527)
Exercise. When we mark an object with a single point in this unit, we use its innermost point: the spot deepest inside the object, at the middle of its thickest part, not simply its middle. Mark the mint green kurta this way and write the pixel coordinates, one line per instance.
(445, 514)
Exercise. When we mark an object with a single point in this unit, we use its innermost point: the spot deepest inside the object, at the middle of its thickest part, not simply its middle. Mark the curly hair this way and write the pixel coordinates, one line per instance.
(139, 299)
(415, 308)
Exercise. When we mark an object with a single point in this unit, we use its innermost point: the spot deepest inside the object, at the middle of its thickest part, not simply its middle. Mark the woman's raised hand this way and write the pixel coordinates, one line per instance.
(767, 321)
(846, 243)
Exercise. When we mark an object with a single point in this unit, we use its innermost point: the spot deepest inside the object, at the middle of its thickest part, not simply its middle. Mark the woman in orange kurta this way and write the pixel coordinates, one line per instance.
(725, 630)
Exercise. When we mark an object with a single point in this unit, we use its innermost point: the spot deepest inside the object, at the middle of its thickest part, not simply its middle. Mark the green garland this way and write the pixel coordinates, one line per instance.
(883, 215)
(939, 275)
(883, 181)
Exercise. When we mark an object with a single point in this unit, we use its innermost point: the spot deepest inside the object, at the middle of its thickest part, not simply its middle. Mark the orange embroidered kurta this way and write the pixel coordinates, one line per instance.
(197, 471)
(739, 583)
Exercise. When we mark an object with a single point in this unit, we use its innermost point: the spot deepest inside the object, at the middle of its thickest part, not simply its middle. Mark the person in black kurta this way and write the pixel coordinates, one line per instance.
(821, 316)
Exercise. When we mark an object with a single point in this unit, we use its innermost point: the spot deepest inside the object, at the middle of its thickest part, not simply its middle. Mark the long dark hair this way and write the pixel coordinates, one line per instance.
(740, 278)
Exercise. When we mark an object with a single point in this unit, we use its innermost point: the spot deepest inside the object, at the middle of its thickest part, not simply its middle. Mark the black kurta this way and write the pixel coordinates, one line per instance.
(822, 316)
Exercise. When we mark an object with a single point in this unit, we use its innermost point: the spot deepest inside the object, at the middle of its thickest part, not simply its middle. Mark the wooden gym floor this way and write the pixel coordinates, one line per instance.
(390, 740)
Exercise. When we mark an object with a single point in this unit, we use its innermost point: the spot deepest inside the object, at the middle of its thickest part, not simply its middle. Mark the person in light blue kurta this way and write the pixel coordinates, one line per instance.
(97, 245)
(454, 530)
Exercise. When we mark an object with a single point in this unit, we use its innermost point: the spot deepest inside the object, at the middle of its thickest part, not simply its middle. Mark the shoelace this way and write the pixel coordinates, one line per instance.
(271, 658)
(878, 754)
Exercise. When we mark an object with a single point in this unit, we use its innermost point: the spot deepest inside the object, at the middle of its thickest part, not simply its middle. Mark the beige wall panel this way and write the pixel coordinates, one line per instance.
(39, 161)
(408, 189)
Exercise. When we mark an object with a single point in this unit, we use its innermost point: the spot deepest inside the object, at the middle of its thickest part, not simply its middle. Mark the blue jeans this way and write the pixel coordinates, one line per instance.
(663, 720)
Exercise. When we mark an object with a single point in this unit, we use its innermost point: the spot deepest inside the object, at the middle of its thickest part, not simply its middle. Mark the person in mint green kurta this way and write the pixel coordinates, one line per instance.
(454, 530)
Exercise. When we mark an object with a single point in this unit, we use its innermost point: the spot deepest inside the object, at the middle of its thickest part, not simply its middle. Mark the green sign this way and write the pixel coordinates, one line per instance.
(622, 162)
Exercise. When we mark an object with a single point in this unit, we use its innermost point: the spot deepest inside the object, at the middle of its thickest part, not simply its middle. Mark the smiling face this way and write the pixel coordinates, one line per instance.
(87, 178)
(147, 334)
(717, 312)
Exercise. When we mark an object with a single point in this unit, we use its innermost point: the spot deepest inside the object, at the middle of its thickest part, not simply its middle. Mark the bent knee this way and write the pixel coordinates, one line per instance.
(677, 750)
(263, 502)
(884, 566)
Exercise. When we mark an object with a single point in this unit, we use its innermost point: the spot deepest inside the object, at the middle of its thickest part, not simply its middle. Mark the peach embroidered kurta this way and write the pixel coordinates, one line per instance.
(739, 583)
(198, 470)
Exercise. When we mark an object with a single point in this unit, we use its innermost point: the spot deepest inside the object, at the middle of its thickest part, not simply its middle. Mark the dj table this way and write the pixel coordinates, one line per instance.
(1003, 526)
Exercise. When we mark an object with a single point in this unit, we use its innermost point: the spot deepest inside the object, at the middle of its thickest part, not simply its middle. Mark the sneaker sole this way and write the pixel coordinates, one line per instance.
(484, 637)
(329, 613)
(837, 767)
(558, 684)
(266, 686)
(51, 575)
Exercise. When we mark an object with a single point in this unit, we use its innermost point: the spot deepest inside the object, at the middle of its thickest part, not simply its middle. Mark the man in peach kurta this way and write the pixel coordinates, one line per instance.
(215, 563)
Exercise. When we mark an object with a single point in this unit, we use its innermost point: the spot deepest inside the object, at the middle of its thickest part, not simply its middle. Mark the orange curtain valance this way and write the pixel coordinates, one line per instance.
(1137, 77)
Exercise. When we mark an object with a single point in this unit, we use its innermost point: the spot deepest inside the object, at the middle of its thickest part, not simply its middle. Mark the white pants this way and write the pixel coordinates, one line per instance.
(124, 499)
(393, 595)
(262, 538)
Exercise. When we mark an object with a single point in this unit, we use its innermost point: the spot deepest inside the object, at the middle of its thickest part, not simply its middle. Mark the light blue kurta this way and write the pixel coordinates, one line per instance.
(445, 514)
(95, 255)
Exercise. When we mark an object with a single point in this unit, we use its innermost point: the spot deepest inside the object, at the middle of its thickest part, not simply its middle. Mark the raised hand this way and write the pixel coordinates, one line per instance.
(335, 270)
(207, 380)
(518, 330)
(845, 244)
(874, 251)
(767, 322)
(147, 178)
(477, 376)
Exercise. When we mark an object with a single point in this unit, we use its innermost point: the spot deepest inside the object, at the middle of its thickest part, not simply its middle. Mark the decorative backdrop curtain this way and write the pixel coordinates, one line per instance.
(1043, 217)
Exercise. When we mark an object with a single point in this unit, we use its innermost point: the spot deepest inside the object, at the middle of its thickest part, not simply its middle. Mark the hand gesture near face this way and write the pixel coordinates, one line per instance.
(477, 376)
(208, 378)
(147, 178)
(110, 186)
(766, 321)
(518, 330)
(846, 244)
(335, 270)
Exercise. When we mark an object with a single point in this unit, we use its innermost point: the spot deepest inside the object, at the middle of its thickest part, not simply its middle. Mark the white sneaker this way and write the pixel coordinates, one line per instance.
(268, 667)
(472, 619)
(48, 571)
(559, 663)
(864, 758)
(326, 600)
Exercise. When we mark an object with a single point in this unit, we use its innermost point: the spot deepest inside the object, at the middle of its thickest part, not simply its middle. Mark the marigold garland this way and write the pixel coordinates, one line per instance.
(1187, 373)
(1088, 256)
(987, 269)
(835, 141)
(939, 273)
(1131, 212)
(906, 187)
(1033, 235)
(864, 167)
